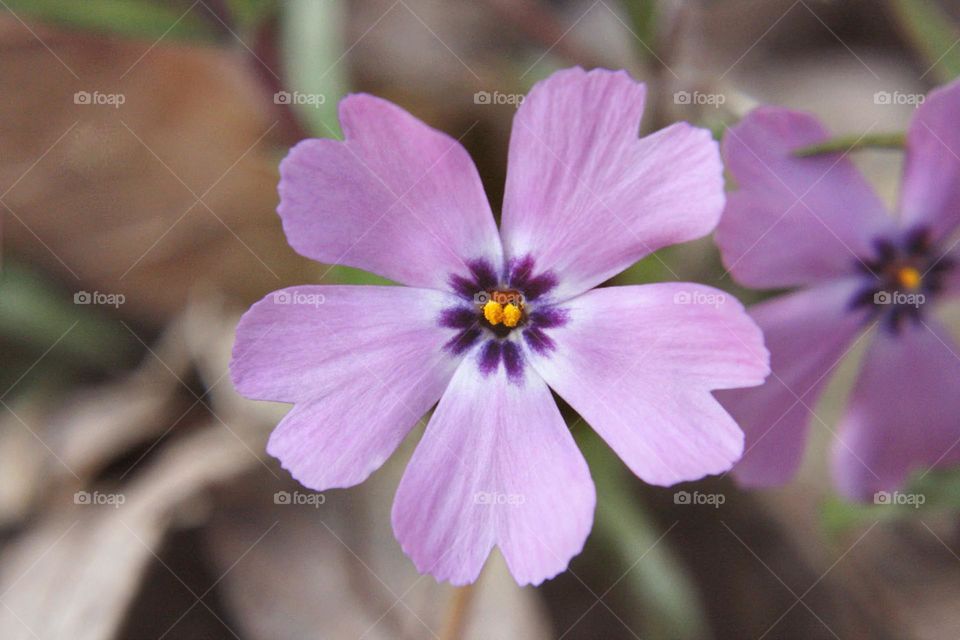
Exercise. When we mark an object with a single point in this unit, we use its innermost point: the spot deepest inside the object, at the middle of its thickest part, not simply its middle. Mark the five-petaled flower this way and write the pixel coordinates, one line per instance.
(864, 276)
(490, 320)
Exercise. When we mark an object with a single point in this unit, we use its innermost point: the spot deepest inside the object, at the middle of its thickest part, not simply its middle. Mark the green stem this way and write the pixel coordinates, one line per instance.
(846, 144)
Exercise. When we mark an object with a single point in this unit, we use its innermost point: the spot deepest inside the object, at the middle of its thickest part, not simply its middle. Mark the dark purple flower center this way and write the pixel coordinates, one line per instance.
(902, 277)
(499, 308)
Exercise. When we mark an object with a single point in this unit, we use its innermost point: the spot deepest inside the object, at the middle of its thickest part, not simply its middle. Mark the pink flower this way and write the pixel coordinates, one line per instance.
(490, 321)
(863, 278)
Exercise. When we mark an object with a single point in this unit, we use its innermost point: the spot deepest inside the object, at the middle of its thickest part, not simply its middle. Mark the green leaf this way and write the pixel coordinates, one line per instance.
(643, 23)
(135, 18)
(310, 32)
(348, 275)
(931, 32)
(35, 315)
(846, 144)
(926, 493)
(247, 14)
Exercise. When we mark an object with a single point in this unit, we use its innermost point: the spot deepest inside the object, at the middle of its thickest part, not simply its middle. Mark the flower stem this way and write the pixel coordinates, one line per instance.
(457, 612)
(846, 144)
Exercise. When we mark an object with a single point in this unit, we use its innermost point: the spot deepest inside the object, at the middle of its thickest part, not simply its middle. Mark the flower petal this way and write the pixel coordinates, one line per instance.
(585, 196)
(362, 363)
(639, 363)
(903, 413)
(931, 176)
(396, 197)
(807, 333)
(496, 466)
(793, 221)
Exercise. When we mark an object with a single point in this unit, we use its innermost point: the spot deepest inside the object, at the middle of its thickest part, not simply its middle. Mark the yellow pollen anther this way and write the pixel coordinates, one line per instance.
(493, 312)
(909, 277)
(511, 315)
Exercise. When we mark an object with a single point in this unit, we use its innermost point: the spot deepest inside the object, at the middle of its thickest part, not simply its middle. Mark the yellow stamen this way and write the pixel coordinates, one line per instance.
(511, 315)
(909, 277)
(493, 312)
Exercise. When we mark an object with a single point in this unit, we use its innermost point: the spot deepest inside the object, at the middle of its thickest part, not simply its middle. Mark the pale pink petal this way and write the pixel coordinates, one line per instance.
(931, 180)
(395, 197)
(639, 364)
(807, 333)
(793, 220)
(904, 413)
(496, 466)
(361, 363)
(585, 196)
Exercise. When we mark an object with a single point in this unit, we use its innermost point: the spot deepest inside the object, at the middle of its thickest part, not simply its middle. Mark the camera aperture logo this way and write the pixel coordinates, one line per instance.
(309, 99)
(914, 500)
(97, 498)
(97, 98)
(99, 298)
(288, 296)
(299, 498)
(697, 498)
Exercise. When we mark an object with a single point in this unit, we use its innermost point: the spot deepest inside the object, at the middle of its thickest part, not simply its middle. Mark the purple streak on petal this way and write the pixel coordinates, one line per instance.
(512, 361)
(489, 357)
(496, 466)
(539, 341)
(521, 277)
(930, 194)
(463, 340)
(549, 317)
(483, 277)
(793, 221)
(458, 318)
(641, 368)
(347, 360)
(903, 412)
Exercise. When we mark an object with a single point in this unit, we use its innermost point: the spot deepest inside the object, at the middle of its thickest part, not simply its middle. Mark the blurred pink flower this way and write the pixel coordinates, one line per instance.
(489, 321)
(815, 224)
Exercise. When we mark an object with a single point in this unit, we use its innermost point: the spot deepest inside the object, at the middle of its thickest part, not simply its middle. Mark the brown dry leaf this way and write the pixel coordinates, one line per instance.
(107, 196)
(98, 425)
(75, 574)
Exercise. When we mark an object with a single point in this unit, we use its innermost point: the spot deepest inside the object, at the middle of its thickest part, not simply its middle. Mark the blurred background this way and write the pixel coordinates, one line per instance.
(139, 143)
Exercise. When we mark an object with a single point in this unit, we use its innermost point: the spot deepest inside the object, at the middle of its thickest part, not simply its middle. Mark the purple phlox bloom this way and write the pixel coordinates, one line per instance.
(863, 278)
(490, 320)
